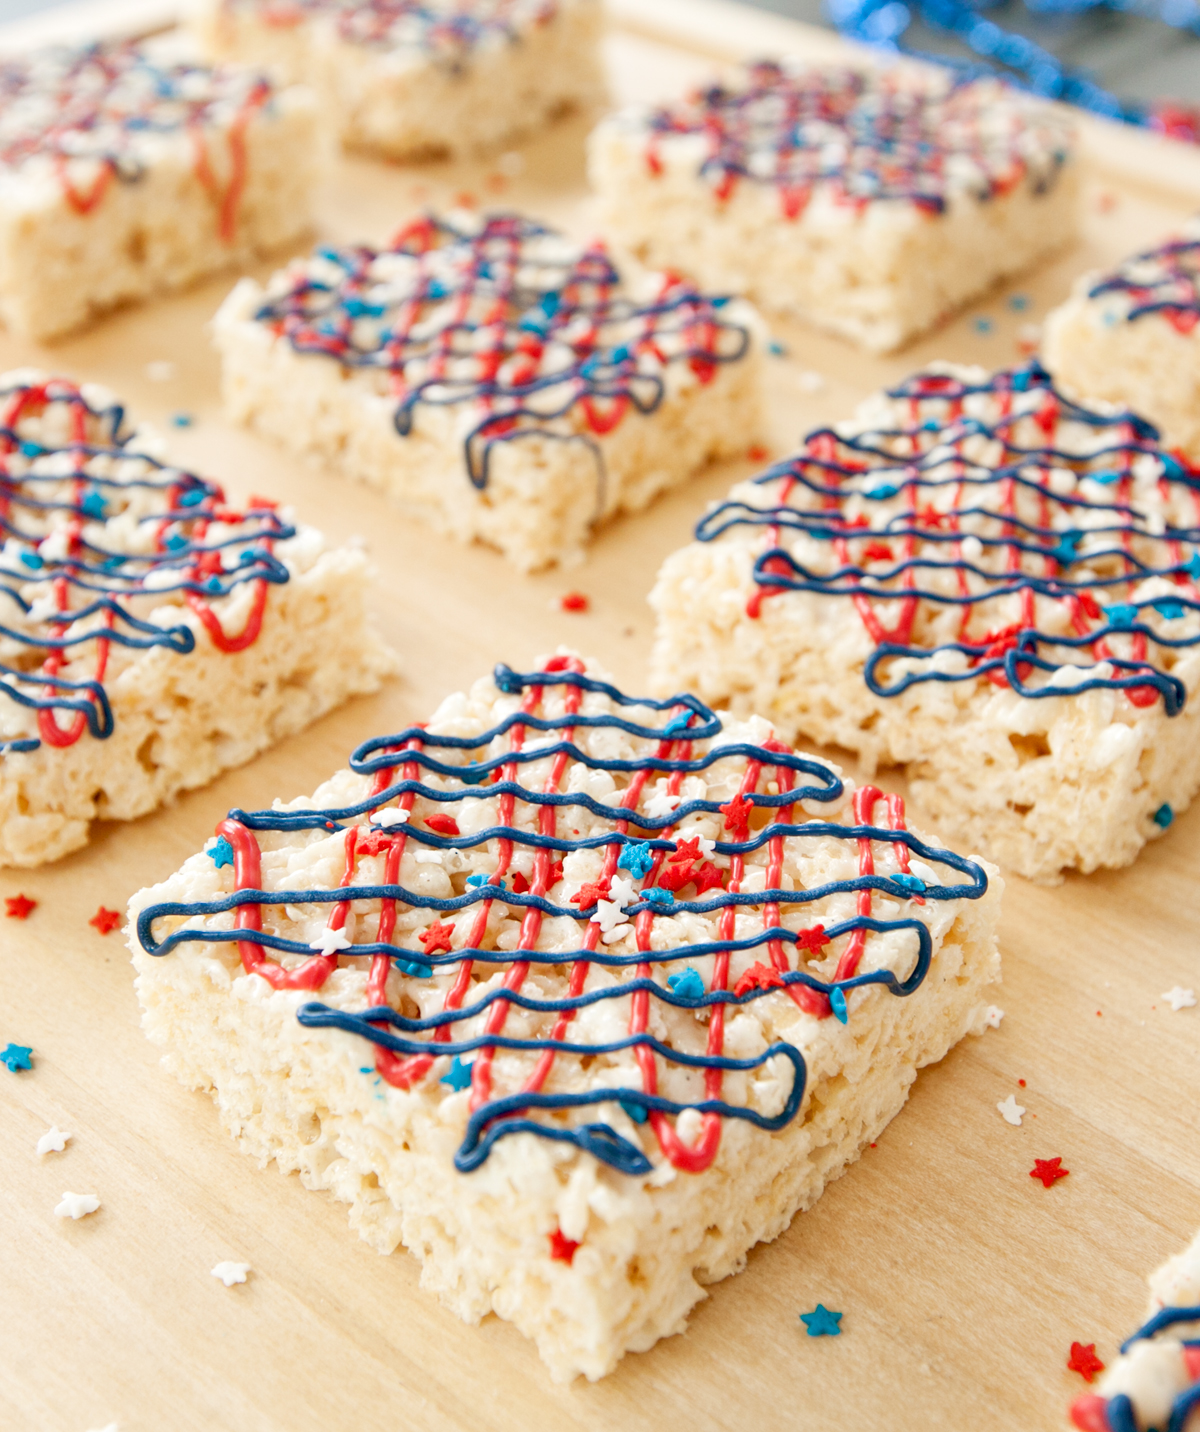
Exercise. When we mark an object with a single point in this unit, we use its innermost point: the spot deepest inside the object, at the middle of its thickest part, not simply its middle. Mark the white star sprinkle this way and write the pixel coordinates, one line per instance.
(77, 1205)
(389, 817)
(620, 892)
(993, 1016)
(1010, 1111)
(660, 805)
(1181, 998)
(44, 608)
(329, 942)
(231, 1273)
(52, 1141)
(608, 916)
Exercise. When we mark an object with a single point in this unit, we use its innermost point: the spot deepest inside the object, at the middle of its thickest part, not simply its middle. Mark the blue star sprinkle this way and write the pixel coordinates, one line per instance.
(16, 1056)
(458, 1076)
(221, 853)
(821, 1323)
(911, 883)
(777, 349)
(655, 896)
(181, 420)
(983, 325)
(636, 1112)
(1018, 303)
(1121, 614)
(687, 984)
(418, 972)
(637, 859)
(1171, 610)
(677, 724)
(837, 1002)
(93, 503)
(1163, 816)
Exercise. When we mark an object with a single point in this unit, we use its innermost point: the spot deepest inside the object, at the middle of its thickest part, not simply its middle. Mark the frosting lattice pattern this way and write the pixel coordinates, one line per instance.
(990, 528)
(638, 878)
(106, 552)
(1165, 280)
(510, 322)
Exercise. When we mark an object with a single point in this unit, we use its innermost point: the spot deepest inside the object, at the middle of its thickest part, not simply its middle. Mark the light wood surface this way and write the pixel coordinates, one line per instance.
(962, 1281)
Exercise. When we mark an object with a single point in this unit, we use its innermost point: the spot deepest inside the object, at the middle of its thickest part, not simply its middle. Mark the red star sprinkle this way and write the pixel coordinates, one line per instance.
(688, 850)
(105, 920)
(520, 884)
(736, 813)
(758, 976)
(1049, 1171)
(443, 824)
(877, 552)
(756, 452)
(266, 503)
(561, 1247)
(19, 907)
(436, 937)
(575, 602)
(556, 873)
(813, 939)
(675, 877)
(1084, 1361)
(591, 892)
(707, 877)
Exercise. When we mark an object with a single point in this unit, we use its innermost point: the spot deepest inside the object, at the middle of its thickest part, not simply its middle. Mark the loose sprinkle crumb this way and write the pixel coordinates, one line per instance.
(1163, 816)
(1106, 202)
(562, 1247)
(822, 1322)
(983, 325)
(19, 907)
(1029, 335)
(1084, 1361)
(161, 371)
(993, 1016)
(231, 1273)
(16, 1056)
(53, 1141)
(1049, 1171)
(511, 164)
(465, 200)
(1021, 1082)
(495, 183)
(77, 1205)
(181, 420)
(105, 920)
(810, 381)
(1010, 1111)
(1181, 998)
(575, 602)
(777, 349)
(1018, 302)
(756, 452)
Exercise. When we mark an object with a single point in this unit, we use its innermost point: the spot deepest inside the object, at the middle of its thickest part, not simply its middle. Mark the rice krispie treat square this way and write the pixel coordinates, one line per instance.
(870, 203)
(978, 579)
(578, 995)
(1132, 337)
(1156, 1380)
(153, 634)
(496, 379)
(414, 79)
(122, 176)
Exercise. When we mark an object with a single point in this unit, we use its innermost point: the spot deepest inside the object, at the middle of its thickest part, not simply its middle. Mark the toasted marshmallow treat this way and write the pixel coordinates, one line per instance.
(978, 579)
(578, 995)
(1155, 1383)
(122, 176)
(153, 634)
(494, 378)
(870, 203)
(1131, 336)
(414, 79)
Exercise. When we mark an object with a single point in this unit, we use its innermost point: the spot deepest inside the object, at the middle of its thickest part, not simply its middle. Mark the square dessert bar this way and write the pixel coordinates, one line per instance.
(980, 580)
(870, 203)
(578, 995)
(1156, 1380)
(153, 634)
(494, 378)
(1132, 337)
(413, 79)
(121, 177)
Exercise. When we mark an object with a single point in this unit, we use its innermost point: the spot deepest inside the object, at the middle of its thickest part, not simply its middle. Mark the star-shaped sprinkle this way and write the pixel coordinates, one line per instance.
(837, 1003)
(661, 805)
(1084, 1361)
(19, 907)
(758, 976)
(687, 984)
(1163, 816)
(992, 1016)
(231, 1273)
(562, 1247)
(16, 1056)
(812, 939)
(330, 941)
(1010, 1111)
(707, 876)
(636, 858)
(1180, 998)
(591, 892)
(1049, 1171)
(220, 852)
(458, 1076)
(620, 891)
(821, 1322)
(443, 824)
(655, 895)
(436, 937)
(737, 813)
(53, 1141)
(574, 602)
(389, 817)
(637, 1112)
(105, 920)
(678, 724)
(609, 916)
(77, 1205)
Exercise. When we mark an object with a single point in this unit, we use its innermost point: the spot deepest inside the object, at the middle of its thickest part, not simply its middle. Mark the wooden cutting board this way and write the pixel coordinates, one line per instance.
(962, 1280)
